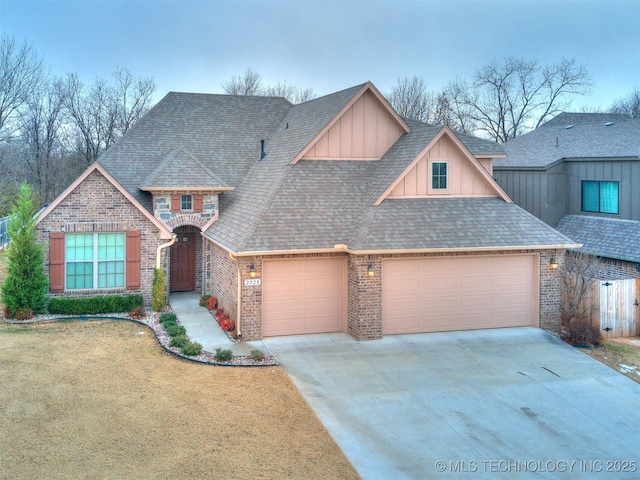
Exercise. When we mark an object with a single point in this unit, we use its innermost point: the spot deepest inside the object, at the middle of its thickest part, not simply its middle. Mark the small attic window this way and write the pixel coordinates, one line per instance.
(568, 127)
(608, 124)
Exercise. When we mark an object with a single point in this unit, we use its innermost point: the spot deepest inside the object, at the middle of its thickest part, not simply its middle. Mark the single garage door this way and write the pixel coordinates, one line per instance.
(304, 296)
(459, 293)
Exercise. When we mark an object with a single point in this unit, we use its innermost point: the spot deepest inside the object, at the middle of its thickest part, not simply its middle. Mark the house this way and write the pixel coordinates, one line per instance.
(580, 173)
(332, 215)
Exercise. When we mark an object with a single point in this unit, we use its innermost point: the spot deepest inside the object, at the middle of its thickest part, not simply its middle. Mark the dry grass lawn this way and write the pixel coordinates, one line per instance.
(101, 400)
(621, 354)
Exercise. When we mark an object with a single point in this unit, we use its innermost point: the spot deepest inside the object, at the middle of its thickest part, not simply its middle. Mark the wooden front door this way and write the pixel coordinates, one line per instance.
(182, 276)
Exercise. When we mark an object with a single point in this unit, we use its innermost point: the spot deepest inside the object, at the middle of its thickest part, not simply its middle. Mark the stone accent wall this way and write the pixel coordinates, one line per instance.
(364, 305)
(97, 206)
(162, 210)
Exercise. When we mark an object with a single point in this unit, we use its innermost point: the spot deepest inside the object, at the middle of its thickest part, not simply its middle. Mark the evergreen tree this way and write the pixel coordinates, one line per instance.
(24, 290)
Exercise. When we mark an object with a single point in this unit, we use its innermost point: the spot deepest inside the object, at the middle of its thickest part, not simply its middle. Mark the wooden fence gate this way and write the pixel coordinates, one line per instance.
(617, 315)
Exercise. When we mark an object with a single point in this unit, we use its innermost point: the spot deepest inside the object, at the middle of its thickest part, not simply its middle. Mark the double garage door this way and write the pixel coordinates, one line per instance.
(459, 293)
(302, 296)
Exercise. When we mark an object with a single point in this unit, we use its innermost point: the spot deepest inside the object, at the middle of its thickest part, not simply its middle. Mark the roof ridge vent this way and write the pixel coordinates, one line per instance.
(608, 124)
(568, 127)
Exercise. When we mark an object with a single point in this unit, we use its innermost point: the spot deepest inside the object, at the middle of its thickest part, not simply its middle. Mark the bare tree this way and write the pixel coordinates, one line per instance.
(41, 128)
(508, 98)
(411, 99)
(578, 274)
(134, 97)
(102, 113)
(20, 74)
(247, 84)
(290, 92)
(629, 105)
(452, 110)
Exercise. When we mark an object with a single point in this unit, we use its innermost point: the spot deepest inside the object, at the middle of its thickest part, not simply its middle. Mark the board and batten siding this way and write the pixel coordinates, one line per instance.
(626, 172)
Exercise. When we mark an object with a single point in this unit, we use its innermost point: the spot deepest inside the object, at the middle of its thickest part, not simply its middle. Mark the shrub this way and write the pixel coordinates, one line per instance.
(584, 334)
(25, 286)
(223, 355)
(257, 355)
(212, 302)
(191, 348)
(227, 325)
(179, 341)
(24, 314)
(219, 313)
(138, 313)
(159, 290)
(203, 300)
(174, 330)
(94, 305)
(168, 317)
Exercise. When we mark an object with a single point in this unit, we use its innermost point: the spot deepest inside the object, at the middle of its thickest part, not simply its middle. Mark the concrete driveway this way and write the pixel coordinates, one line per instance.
(504, 403)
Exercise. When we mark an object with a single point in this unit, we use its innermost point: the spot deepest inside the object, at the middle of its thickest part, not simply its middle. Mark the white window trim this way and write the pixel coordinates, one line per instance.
(187, 210)
(430, 188)
(95, 262)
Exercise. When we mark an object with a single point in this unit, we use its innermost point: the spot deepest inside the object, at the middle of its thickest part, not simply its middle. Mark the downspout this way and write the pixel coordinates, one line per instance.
(163, 246)
(239, 296)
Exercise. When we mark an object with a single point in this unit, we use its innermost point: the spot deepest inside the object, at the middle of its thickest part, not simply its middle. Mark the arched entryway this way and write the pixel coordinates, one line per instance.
(183, 271)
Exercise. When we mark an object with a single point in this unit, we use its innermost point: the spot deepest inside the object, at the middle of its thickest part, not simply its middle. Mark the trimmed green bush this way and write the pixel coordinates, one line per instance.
(203, 300)
(257, 355)
(223, 355)
(191, 349)
(179, 341)
(168, 318)
(94, 305)
(159, 290)
(174, 330)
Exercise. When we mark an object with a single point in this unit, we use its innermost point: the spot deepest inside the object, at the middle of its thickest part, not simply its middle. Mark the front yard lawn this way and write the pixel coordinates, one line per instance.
(100, 399)
(621, 354)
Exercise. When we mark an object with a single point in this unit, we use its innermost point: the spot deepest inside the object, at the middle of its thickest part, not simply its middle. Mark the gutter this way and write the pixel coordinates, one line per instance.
(163, 246)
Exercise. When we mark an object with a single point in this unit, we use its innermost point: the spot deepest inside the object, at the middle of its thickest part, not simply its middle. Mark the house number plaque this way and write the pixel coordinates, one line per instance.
(252, 282)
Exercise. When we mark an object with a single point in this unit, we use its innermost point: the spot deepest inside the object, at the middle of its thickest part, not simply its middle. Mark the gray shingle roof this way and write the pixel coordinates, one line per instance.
(605, 237)
(181, 169)
(587, 138)
(454, 223)
(312, 204)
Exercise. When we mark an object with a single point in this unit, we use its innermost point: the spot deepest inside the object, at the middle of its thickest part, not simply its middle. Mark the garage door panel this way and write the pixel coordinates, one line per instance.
(460, 293)
(302, 296)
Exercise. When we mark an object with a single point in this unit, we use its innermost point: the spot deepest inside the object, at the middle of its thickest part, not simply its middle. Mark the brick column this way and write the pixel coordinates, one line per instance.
(364, 316)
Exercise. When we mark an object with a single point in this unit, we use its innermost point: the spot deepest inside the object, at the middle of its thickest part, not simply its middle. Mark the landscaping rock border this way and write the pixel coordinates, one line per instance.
(163, 339)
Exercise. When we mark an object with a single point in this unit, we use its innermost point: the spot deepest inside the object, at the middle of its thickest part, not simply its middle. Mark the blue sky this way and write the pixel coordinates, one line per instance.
(195, 46)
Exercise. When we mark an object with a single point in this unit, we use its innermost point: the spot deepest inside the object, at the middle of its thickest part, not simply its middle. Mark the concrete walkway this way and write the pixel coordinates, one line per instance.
(202, 327)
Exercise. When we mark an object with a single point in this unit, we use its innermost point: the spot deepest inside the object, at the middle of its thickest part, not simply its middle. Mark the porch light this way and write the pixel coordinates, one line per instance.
(252, 271)
(370, 271)
(553, 264)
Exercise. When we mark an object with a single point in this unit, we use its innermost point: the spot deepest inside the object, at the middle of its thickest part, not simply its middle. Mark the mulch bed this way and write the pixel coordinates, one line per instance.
(151, 321)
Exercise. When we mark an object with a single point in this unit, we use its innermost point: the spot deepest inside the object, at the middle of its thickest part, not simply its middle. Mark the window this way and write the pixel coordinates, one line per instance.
(600, 197)
(439, 175)
(94, 260)
(186, 202)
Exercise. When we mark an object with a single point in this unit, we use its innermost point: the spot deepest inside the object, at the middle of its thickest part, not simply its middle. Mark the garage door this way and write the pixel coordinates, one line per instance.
(303, 296)
(459, 293)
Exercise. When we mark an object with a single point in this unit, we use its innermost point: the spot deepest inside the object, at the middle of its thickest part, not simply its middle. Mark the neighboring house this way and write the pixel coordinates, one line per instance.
(580, 173)
(332, 215)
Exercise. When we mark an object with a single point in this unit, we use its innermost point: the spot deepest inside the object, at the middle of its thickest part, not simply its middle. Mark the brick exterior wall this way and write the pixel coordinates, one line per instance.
(220, 277)
(97, 206)
(611, 269)
(364, 304)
